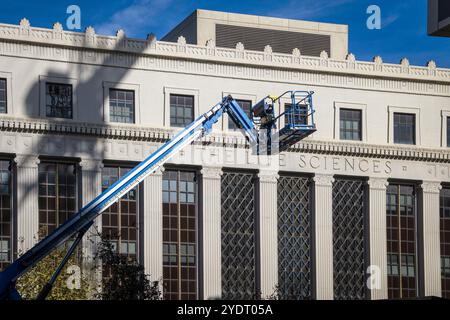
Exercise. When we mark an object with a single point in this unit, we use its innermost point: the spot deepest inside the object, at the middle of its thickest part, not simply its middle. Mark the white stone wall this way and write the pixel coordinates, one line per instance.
(155, 68)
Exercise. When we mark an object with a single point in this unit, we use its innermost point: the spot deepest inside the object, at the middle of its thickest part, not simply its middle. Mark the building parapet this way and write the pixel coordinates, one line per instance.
(239, 55)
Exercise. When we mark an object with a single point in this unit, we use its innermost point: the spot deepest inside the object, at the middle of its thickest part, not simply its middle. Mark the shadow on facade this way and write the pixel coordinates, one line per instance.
(89, 96)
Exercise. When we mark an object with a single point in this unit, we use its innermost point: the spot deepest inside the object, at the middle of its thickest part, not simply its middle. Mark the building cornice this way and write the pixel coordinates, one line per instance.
(218, 139)
(143, 54)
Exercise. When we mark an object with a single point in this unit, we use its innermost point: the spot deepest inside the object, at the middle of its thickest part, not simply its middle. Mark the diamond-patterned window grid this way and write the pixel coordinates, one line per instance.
(294, 238)
(349, 237)
(238, 236)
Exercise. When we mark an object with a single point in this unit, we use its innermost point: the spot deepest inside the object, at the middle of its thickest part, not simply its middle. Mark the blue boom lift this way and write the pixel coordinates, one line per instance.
(298, 124)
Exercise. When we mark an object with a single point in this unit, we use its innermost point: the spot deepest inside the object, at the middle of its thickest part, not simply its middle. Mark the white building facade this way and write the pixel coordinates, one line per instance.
(358, 210)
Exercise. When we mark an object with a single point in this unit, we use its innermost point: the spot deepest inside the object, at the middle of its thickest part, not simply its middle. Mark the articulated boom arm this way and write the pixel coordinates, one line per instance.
(80, 222)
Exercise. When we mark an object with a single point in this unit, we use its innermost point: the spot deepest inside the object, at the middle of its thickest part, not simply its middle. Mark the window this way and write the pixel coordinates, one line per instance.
(239, 245)
(181, 110)
(120, 221)
(121, 106)
(445, 241)
(57, 195)
(349, 238)
(296, 117)
(5, 214)
(3, 96)
(246, 105)
(58, 103)
(179, 235)
(294, 238)
(404, 128)
(350, 121)
(448, 131)
(401, 241)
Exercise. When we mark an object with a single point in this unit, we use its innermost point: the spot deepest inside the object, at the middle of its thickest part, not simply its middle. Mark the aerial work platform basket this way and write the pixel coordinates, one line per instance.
(295, 118)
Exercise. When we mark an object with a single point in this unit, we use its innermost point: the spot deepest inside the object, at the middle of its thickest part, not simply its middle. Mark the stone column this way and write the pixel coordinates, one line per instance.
(377, 238)
(153, 226)
(27, 201)
(431, 238)
(268, 236)
(324, 236)
(91, 187)
(211, 215)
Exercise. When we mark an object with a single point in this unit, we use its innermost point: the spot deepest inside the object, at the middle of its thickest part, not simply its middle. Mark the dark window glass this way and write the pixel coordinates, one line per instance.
(350, 124)
(3, 96)
(238, 224)
(179, 235)
(121, 106)
(295, 116)
(349, 239)
(294, 238)
(58, 101)
(404, 128)
(246, 105)
(448, 131)
(401, 241)
(120, 221)
(57, 195)
(5, 214)
(445, 241)
(181, 110)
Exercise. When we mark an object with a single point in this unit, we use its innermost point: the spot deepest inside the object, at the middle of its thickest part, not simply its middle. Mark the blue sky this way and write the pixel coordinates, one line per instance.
(403, 32)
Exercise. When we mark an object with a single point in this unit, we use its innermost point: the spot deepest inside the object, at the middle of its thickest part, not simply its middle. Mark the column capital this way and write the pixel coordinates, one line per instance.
(91, 165)
(324, 180)
(159, 171)
(211, 173)
(377, 183)
(27, 161)
(431, 186)
(268, 176)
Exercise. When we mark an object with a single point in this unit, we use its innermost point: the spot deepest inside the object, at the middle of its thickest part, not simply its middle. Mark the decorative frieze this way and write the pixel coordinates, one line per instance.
(145, 134)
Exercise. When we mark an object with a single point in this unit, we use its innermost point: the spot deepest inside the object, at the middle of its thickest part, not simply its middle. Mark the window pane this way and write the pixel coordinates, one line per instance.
(3, 103)
(404, 128)
(401, 240)
(181, 110)
(57, 195)
(59, 100)
(445, 240)
(448, 131)
(246, 105)
(121, 106)
(177, 222)
(5, 214)
(350, 124)
(120, 221)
